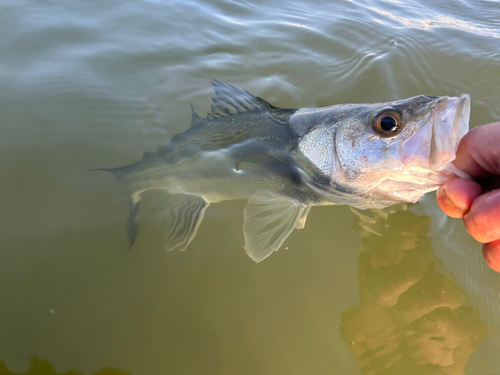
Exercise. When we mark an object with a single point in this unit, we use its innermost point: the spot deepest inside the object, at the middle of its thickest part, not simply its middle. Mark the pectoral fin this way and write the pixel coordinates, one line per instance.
(269, 220)
(184, 213)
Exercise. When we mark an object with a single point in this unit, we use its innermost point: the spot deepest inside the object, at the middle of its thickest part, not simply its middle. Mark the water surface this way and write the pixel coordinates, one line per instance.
(96, 84)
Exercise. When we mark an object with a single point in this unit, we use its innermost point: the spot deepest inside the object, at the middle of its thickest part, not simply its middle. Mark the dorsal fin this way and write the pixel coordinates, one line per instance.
(230, 100)
(195, 118)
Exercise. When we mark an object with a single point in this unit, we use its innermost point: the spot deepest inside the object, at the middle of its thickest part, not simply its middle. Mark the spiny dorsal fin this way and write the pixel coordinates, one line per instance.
(230, 100)
(195, 118)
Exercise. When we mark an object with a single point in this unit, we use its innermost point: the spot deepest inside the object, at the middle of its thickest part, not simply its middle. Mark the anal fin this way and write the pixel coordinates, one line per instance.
(269, 220)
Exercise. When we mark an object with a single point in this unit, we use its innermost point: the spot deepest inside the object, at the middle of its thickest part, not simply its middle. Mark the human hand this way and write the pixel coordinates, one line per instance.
(477, 201)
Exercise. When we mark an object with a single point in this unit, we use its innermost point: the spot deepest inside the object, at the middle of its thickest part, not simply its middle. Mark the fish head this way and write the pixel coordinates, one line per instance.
(395, 152)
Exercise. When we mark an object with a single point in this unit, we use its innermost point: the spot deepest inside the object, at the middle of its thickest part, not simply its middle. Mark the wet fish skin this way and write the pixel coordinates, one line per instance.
(286, 160)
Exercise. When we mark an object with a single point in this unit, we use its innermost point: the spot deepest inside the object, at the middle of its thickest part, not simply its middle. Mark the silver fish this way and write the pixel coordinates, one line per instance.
(286, 160)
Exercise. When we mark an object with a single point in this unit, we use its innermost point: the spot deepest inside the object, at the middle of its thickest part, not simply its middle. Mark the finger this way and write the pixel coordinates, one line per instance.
(491, 253)
(478, 153)
(456, 196)
(483, 220)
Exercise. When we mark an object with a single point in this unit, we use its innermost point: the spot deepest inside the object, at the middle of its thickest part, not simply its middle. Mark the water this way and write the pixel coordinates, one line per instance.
(95, 84)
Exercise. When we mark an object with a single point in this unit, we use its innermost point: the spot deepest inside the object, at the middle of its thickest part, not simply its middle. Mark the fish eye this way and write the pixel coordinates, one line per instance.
(387, 123)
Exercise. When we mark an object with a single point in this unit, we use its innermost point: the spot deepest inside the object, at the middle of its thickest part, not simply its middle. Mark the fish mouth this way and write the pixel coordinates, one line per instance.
(450, 124)
(426, 157)
(433, 147)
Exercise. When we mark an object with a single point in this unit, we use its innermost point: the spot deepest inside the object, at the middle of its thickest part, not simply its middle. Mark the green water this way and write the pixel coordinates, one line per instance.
(92, 84)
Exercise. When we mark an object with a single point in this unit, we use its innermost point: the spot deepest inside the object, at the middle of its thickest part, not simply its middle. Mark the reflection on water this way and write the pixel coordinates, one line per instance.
(413, 317)
(41, 367)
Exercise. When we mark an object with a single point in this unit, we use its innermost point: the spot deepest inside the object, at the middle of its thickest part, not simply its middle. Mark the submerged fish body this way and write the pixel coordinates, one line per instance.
(285, 160)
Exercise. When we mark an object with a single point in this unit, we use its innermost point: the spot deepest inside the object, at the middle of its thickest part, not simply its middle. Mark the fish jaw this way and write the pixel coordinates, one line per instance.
(427, 156)
(433, 147)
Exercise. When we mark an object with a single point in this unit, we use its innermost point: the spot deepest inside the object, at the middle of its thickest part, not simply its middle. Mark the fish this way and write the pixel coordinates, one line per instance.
(284, 161)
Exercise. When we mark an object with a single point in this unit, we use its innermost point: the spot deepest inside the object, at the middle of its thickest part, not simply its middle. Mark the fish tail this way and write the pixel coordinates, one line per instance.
(132, 225)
